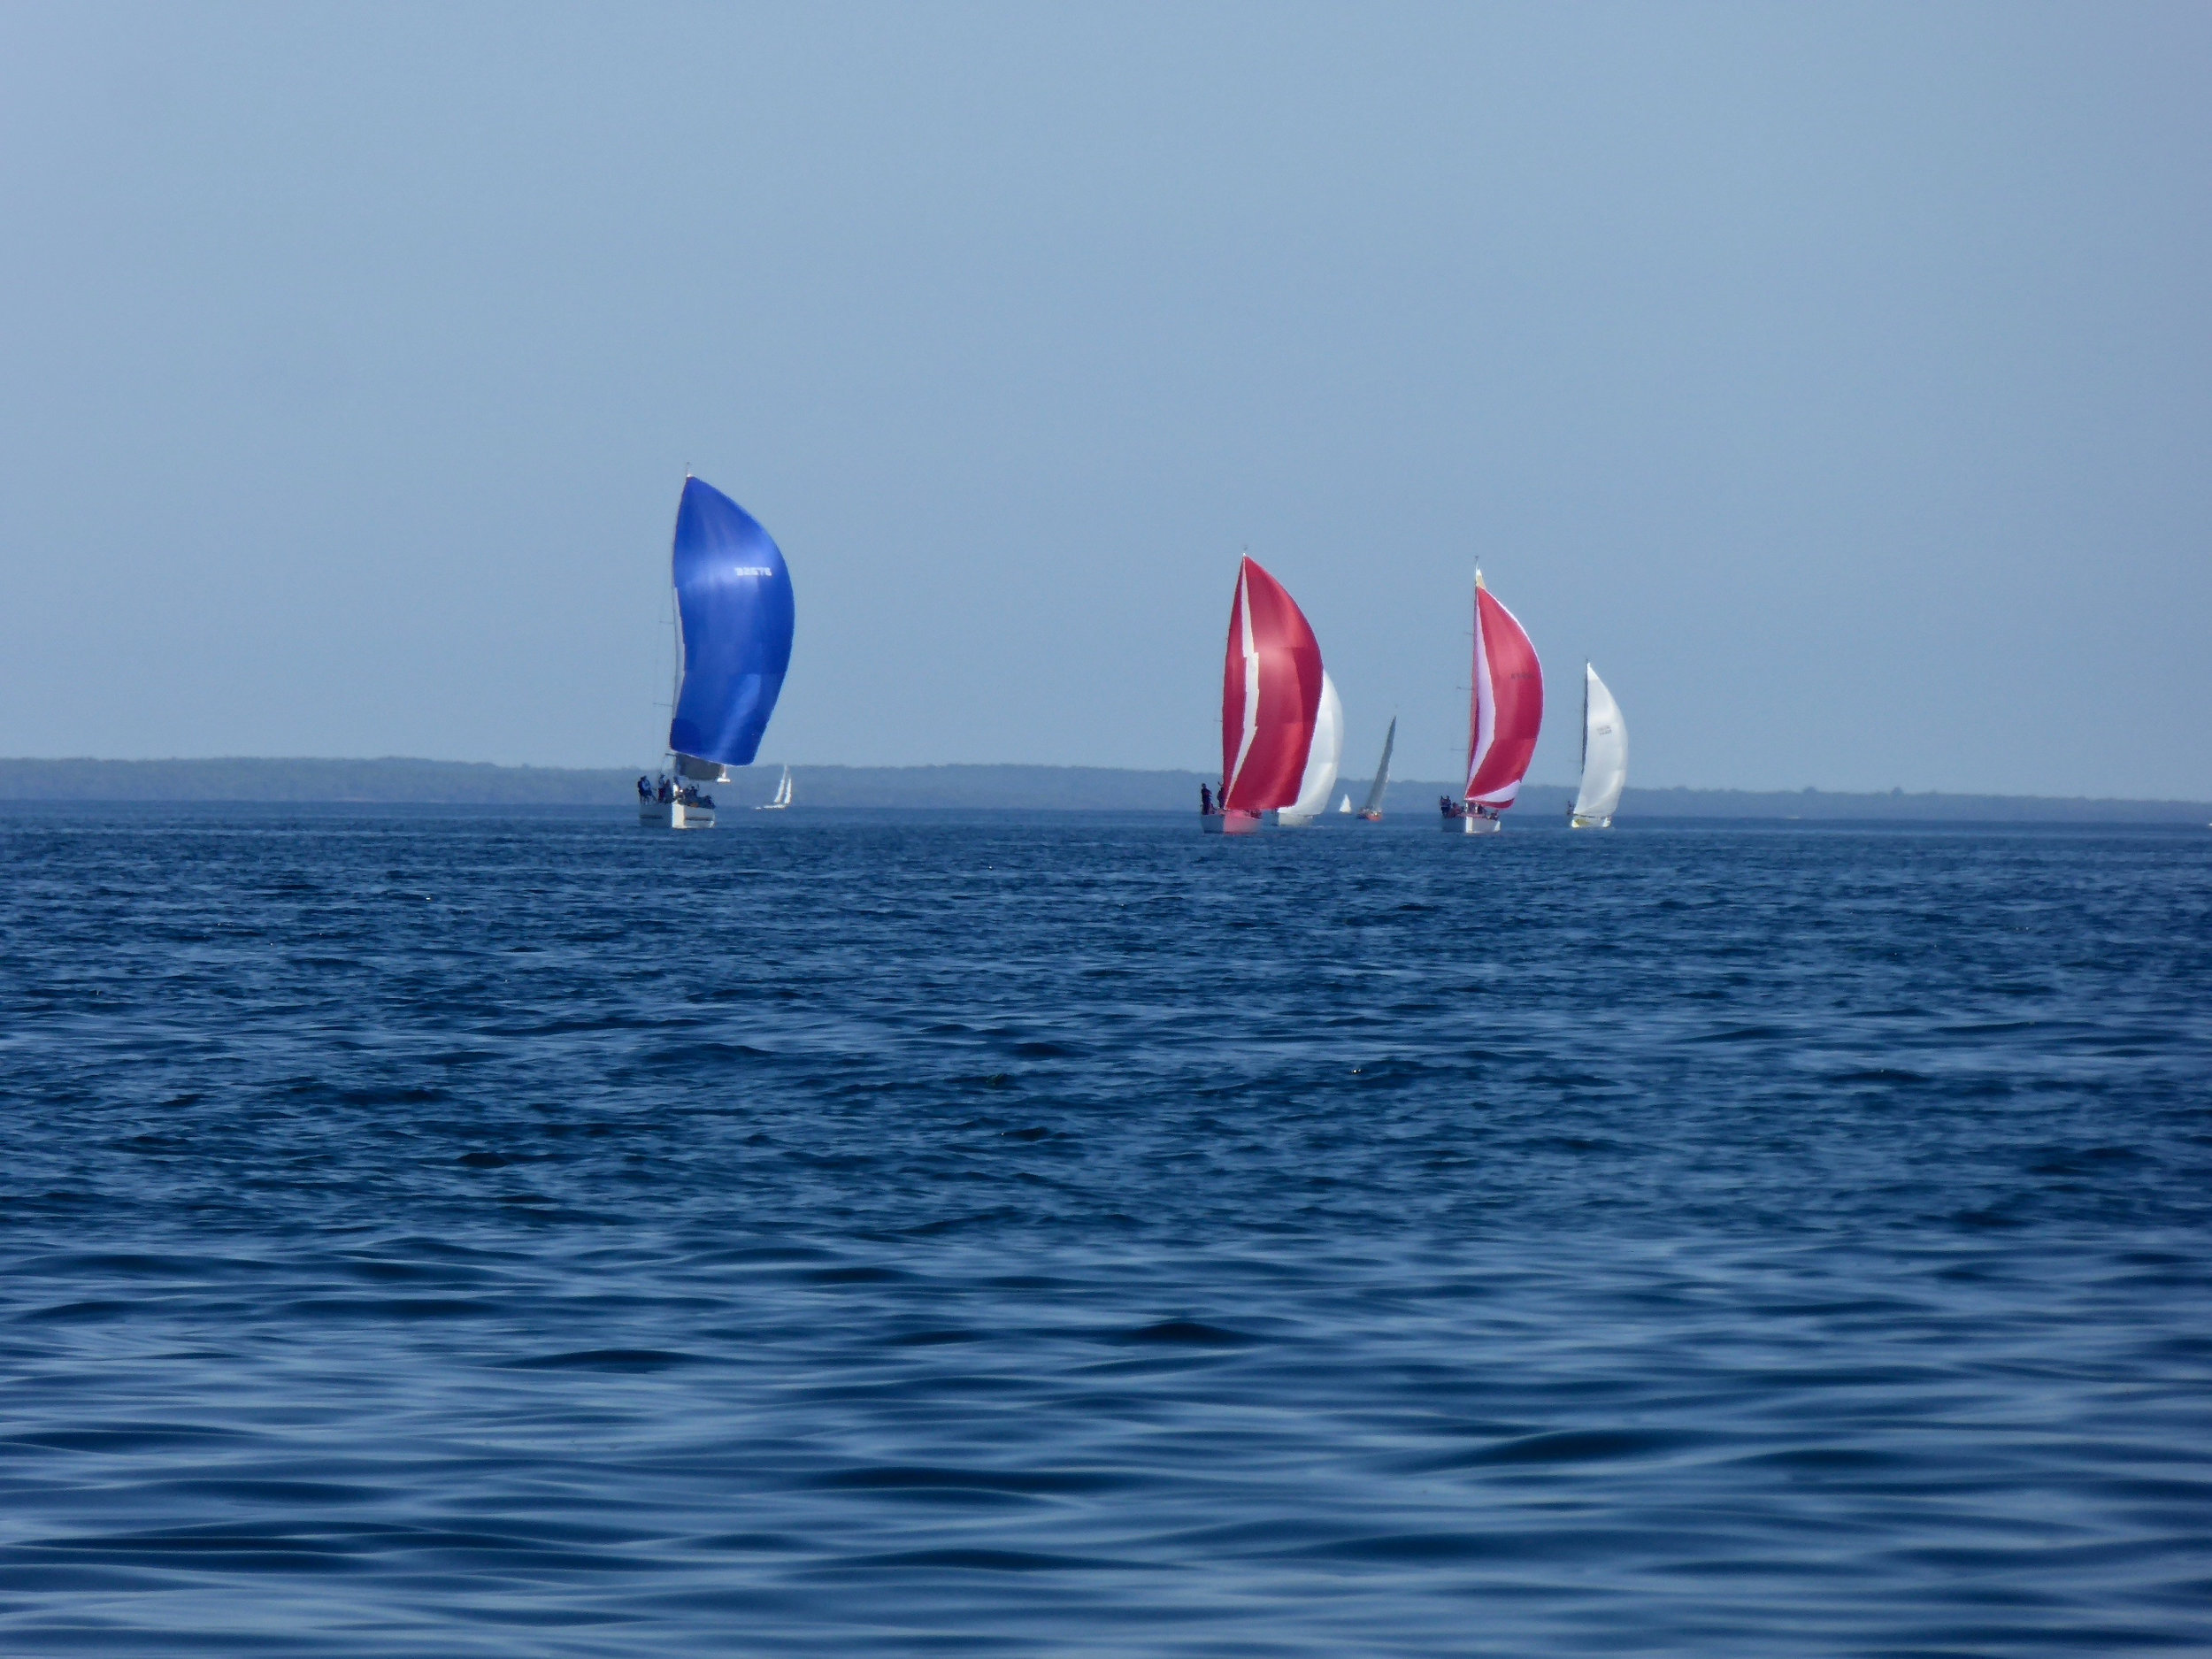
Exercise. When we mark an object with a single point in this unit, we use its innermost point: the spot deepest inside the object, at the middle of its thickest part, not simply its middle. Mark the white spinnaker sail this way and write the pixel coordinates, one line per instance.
(1322, 758)
(1604, 750)
(1382, 772)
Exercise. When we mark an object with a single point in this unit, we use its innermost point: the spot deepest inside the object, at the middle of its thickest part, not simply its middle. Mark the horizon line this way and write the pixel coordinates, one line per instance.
(1896, 792)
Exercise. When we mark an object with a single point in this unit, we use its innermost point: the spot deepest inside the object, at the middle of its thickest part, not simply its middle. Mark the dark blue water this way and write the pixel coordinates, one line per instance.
(440, 1234)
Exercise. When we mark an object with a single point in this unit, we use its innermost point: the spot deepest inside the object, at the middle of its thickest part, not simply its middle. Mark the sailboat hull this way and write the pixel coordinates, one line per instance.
(674, 815)
(1472, 825)
(1578, 822)
(1231, 823)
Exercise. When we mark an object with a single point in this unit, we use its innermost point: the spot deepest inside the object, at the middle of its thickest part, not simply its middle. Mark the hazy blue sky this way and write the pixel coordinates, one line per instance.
(1839, 377)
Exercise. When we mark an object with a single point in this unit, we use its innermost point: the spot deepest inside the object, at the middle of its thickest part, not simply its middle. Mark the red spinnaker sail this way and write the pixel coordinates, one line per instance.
(1508, 704)
(1270, 695)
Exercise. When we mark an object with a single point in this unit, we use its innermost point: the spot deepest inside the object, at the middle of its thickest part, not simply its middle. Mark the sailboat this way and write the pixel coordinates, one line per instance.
(781, 799)
(1604, 756)
(734, 621)
(1503, 717)
(1345, 806)
(1272, 691)
(1371, 809)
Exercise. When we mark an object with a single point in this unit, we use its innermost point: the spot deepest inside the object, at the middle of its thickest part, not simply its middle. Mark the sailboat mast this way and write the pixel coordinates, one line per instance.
(675, 653)
(1474, 695)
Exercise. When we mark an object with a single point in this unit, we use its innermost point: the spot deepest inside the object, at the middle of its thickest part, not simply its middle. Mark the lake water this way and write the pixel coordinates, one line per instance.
(450, 1234)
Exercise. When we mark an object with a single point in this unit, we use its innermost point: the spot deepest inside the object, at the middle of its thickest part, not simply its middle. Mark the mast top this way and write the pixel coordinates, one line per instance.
(1478, 579)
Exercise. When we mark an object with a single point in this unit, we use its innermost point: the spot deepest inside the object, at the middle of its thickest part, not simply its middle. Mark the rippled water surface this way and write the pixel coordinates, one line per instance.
(450, 1234)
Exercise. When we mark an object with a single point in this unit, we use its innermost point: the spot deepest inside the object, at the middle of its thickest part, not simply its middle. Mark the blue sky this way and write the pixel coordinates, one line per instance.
(1839, 379)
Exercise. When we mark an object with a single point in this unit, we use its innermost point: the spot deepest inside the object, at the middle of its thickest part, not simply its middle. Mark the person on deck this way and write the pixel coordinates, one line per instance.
(1205, 801)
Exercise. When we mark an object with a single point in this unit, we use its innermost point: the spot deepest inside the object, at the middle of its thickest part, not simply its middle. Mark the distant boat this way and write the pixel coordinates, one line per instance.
(1345, 805)
(781, 799)
(1371, 809)
(733, 624)
(1503, 717)
(1272, 690)
(1604, 756)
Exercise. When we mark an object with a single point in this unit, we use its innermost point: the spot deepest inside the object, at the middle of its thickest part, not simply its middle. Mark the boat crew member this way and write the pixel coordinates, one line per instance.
(644, 790)
(1205, 801)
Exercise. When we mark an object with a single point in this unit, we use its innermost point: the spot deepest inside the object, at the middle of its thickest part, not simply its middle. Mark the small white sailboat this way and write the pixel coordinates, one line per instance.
(781, 799)
(1604, 756)
(1370, 809)
(1324, 754)
(1344, 807)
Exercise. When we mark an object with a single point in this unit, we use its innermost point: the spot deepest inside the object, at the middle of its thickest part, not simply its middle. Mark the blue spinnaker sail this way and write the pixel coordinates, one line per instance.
(734, 597)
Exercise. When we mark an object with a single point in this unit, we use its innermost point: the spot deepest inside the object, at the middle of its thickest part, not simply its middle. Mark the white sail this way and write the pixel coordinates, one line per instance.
(1322, 758)
(1604, 753)
(1345, 805)
(783, 788)
(1373, 809)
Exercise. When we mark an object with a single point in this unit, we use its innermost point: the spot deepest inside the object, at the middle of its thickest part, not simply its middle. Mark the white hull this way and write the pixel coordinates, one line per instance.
(1229, 823)
(1471, 825)
(1580, 822)
(674, 815)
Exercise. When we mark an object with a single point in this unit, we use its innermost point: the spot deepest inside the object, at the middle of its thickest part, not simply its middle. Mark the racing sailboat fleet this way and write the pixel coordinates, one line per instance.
(1282, 722)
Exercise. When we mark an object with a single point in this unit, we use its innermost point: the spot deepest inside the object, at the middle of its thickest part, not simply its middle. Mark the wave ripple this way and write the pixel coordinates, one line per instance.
(448, 1234)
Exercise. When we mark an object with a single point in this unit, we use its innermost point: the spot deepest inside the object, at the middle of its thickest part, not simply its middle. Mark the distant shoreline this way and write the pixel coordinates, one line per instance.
(393, 781)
